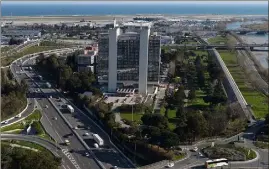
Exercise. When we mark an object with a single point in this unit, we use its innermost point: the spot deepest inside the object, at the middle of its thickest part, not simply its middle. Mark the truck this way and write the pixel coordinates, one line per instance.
(48, 85)
(98, 139)
(70, 108)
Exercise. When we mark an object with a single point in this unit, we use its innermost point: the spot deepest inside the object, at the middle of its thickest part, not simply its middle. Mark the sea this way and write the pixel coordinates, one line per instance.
(35, 9)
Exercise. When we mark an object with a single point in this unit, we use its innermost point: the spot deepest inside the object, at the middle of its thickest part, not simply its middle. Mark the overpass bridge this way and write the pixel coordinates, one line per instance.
(222, 46)
(245, 31)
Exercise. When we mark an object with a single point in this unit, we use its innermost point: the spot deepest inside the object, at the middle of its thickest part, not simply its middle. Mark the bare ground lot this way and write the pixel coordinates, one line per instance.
(107, 18)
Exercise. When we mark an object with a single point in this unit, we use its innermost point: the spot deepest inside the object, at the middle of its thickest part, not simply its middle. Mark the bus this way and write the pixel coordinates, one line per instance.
(216, 163)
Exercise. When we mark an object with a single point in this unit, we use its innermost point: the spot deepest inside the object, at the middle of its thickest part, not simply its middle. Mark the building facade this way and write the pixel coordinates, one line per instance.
(129, 58)
(86, 61)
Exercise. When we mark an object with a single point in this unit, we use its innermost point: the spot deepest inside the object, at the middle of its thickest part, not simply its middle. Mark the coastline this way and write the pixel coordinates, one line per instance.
(131, 15)
(52, 19)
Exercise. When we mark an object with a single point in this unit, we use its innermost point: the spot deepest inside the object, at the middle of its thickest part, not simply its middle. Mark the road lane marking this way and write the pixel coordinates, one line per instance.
(63, 166)
(58, 135)
(70, 157)
(47, 118)
(67, 166)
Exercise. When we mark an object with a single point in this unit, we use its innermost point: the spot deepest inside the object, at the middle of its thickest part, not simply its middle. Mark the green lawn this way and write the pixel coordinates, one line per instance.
(217, 40)
(256, 99)
(220, 39)
(6, 48)
(128, 116)
(35, 116)
(33, 49)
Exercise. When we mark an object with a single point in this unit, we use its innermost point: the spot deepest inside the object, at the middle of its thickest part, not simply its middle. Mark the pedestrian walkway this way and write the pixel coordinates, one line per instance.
(70, 157)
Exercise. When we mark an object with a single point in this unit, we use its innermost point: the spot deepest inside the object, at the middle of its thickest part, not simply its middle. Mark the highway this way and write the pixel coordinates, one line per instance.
(77, 158)
(58, 129)
(18, 72)
(56, 150)
(21, 47)
(107, 154)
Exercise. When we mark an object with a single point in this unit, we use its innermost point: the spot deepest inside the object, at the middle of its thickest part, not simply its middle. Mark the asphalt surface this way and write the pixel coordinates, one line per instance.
(196, 161)
(58, 129)
(77, 158)
(106, 154)
(45, 143)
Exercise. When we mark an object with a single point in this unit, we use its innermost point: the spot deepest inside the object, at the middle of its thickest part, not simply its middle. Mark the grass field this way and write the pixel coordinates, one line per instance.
(256, 99)
(33, 49)
(6, 48)
(221, 40)
(128, 116)
(35, 116)
(17, 127)
(217, 40)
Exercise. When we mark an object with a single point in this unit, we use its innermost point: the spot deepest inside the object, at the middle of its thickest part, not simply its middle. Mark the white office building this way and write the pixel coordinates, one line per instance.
(129, 57)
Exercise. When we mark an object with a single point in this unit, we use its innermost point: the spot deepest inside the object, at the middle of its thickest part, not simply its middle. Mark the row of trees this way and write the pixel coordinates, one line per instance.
(65, 75)
(14, 41)
(26, 159)
(13, 95)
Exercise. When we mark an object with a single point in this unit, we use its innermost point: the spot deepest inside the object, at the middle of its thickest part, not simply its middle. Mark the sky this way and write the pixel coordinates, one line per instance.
(135, 2)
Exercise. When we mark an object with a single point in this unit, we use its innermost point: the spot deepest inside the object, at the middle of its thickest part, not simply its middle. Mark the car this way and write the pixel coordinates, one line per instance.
(71, 151)
(18, 116)
(86, 134)
(68, 135)
(76, 128)
(5, 122)
(200, 154)
(170, 165)
(47, 106)
(114, 167)
(96, 145)
(195, 149)
(87, 154)
(54, 118)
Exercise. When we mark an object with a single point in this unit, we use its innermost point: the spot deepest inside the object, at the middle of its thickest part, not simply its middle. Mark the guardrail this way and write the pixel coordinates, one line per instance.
(78, 136)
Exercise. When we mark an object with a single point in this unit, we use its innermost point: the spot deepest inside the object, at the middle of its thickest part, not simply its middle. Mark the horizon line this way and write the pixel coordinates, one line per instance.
(138, 2)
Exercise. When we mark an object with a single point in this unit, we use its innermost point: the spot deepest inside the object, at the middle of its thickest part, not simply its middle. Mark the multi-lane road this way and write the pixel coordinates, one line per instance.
(104, 157)
(195, 160)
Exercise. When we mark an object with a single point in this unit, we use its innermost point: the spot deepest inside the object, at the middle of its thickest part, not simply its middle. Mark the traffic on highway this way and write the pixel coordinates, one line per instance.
(81, 140)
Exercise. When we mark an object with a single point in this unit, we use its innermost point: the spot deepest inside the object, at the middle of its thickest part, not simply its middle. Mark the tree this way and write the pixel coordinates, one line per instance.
(156, 120)
(197, 124)
(217, 120)
(179, 97)
(267, 118)
(65, 72)
(168, 139)
(14, 41)
(192, 94)
(73, 84)
(181, 117)
(201, 78)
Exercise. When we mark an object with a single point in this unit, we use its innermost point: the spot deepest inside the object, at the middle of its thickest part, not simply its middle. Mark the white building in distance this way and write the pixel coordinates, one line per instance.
(129, 55)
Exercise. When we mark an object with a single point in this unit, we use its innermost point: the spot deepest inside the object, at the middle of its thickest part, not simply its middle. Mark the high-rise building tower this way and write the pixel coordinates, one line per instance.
(129, 57)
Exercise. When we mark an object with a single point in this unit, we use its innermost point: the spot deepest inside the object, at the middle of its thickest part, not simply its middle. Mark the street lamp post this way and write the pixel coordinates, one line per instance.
(132, 112)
